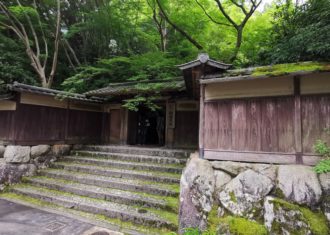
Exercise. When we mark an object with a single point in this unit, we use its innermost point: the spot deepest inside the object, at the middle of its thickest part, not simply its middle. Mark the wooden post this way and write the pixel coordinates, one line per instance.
(66, 127)
(297, 120)
(170, 124)
(201, 121)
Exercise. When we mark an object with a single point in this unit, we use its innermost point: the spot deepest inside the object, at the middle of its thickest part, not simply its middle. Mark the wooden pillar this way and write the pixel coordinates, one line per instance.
(66, 127)
(297, 121)
(201, 121)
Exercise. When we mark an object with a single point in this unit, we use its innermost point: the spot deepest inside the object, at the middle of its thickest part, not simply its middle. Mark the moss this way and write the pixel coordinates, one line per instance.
(233, 197)
(100, 218)
(149, 172)
(279, 193)
(242, 226)
(316, 220)
(283, 69)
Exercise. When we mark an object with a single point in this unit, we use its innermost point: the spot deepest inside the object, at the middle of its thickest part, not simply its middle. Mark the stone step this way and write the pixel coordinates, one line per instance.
(129, 157)
(161, 152)
(100, 207)
(124, 165)
(90, 218)
(119, 173)
(113, 195)
(115, 183)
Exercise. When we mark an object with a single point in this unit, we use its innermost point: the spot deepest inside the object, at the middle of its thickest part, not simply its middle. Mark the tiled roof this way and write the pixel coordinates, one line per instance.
(140, 87)
(19, 87)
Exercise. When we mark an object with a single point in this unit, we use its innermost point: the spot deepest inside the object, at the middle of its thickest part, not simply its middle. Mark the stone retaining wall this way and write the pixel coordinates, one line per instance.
(280, 198)
(19, 161)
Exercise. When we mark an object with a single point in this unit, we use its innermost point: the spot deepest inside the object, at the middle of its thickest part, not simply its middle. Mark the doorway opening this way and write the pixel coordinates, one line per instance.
(147, 127)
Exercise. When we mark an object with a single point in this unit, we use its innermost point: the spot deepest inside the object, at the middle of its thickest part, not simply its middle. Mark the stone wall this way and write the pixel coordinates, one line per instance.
(19, 161)
(279, 198)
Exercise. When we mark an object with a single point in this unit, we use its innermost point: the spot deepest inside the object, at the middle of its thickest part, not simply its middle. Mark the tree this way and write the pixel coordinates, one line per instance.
(178, 28)
(301, 33)
(246, 7)
(27, 33)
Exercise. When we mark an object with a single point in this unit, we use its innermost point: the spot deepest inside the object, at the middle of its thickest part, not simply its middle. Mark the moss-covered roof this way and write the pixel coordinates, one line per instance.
(140, 87)
(268, 71)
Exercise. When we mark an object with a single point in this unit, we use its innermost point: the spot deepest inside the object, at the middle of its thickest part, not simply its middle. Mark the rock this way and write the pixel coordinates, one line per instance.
(266, 170)
(235, 168)
(232, 168)
(299, 184)
(221, 211)
(39, 150)
(196, 194)
(12, 173)
(2, 150)
(221, 179)
(61, 149)
(17, 154)
(325, 183)
(282, 217)
(326, 208)
(243, 195)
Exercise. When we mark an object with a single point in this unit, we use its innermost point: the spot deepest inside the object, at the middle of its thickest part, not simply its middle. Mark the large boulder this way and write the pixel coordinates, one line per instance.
(221, 179)
(235, 168)
(61, 149)
(243, 195)
(326, 207)
(2, 150)
(196, 194)
(299, 184)
(17, 154)
(39, 150)
(282, 217)
(325, 183)
(12, 173)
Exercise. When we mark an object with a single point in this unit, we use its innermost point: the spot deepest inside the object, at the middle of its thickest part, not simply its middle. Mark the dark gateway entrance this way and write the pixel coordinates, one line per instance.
(147, 127)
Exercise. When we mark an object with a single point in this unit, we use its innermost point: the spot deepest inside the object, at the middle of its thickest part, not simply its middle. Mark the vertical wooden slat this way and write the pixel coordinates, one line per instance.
(253, 119)
(297, 121)
(269, 135)
(239, 124)
(224, 125)
(211, 125)
(285, 124)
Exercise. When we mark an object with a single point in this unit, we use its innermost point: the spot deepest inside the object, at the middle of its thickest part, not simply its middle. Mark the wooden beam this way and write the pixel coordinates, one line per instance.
(297, 121)
(124, 126)
(201, 121)
(7, 105)
(259, 157)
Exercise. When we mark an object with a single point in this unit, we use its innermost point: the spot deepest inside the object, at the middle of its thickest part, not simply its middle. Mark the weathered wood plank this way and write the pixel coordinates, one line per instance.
(224, 125)
(253, 125)
(238, 125)
(211, 125)
(285, 125)
(310, 122)
(269, 135)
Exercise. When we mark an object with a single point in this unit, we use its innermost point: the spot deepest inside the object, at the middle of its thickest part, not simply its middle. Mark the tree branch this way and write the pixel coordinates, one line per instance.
(181, 31)
(225, 14)
(57, 40)
(210, 17)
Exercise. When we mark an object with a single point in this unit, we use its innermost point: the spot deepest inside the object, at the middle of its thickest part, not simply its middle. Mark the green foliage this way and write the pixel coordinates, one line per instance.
(149, 66)
(322, 148)
(14, 65)
(323, 166)
(134, 103)
(301, 33)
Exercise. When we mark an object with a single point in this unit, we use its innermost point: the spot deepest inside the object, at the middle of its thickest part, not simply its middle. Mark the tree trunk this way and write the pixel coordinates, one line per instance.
(239, 39)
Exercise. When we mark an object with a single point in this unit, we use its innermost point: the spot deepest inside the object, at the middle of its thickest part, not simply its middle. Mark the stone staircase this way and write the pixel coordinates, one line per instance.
(129, 189)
